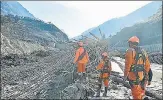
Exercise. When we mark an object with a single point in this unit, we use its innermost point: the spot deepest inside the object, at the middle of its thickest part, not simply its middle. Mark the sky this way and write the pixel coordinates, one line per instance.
(75, 17)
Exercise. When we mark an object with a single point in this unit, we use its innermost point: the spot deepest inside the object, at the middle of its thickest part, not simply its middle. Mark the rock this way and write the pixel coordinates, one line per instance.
(75, 91)
(124, 89)
(114, 87)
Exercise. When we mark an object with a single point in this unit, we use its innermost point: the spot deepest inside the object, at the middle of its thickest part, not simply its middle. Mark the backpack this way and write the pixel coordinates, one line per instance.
(81, 56)
(135, 68)
(105, 67)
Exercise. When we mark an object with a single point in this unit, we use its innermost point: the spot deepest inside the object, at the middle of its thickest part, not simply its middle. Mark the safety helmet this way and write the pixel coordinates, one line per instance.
(105, 54)
(134, 39)
(80, 44)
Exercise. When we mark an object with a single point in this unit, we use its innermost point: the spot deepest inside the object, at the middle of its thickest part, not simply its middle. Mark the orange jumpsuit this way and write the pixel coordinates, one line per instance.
(81, 64)
(104, 76)
(137, 91)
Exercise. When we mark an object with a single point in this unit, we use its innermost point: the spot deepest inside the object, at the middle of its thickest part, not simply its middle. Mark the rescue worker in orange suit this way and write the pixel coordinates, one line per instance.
(137, 66)
(105, 69)
(81, 59)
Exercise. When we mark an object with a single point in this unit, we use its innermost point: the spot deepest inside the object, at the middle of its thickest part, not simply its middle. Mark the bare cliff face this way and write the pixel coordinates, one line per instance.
(14, 8)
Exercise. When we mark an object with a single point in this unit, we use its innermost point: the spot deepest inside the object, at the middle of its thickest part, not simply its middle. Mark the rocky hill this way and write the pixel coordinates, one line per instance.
(149, 31)
(24, 35)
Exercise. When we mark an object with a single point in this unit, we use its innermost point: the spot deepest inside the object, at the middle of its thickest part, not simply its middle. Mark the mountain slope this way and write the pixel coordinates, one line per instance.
(22, 33)
(85, 33)
(111, 27)
(25, 35)
(148, 31)
(14, 8)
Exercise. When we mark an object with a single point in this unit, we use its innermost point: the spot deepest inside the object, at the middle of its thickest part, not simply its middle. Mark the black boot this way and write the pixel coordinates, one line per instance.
(98, 91)
(105, 93)
(84, 76)
(145, 98)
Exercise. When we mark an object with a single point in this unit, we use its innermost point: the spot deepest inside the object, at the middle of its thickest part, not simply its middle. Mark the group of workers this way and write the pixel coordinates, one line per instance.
(137, 68)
